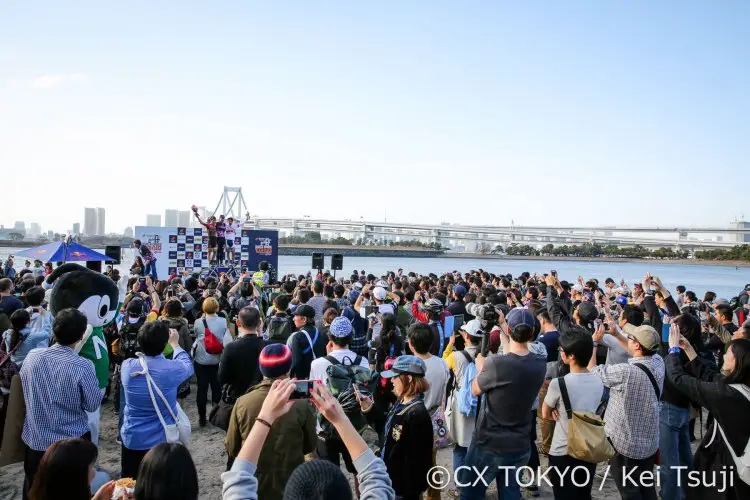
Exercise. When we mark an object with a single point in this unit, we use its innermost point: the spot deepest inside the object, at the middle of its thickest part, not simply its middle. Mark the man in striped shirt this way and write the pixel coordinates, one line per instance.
(59, 387)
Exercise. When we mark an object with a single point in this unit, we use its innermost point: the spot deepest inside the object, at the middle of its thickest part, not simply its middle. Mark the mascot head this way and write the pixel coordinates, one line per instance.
(94, 294)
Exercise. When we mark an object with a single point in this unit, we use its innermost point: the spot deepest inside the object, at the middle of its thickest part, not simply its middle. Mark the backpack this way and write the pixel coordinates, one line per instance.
(342, 377)
(587, 440)
(279, 329)
(128, 344)
(467, 402)
(388, 363)
(210, 341)
(741, 463)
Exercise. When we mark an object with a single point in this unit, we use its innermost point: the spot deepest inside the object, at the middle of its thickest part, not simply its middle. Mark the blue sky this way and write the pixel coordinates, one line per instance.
(474, 112)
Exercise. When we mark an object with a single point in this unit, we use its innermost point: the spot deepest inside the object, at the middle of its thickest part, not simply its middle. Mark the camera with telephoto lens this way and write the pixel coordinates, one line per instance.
(487, 316)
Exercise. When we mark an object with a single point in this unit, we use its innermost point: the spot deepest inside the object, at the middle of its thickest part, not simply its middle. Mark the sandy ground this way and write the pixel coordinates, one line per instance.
(207, 448)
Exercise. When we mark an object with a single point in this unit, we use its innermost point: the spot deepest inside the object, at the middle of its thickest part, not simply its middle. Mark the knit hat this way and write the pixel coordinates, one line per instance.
(275, 360)
(340, 327)
(317, 479)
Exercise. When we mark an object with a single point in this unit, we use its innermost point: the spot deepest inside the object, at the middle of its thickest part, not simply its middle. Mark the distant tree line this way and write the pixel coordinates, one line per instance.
(315, 238)
(739, 252)
(585, 250)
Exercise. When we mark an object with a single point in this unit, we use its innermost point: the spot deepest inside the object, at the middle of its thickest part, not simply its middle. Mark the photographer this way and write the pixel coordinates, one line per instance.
(510, 384)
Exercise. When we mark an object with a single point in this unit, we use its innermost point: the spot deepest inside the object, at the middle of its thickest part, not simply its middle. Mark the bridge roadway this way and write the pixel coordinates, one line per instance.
(505, 234)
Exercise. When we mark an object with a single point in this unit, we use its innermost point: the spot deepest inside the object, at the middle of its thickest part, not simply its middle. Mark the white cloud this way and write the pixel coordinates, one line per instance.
(54, 81)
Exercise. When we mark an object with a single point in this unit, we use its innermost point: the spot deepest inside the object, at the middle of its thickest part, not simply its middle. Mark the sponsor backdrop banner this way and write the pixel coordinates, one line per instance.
(178, 248)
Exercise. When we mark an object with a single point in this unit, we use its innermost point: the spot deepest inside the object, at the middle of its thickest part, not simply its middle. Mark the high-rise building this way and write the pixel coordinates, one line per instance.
(100, 227)
(128, 232)
(89, 221)
(36, 229)
(76, 228)
(171, 218)
(20, 225)
(184, 218)
(153, 220)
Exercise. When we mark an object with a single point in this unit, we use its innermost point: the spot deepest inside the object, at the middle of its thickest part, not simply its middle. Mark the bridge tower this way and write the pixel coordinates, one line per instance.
(232, 204)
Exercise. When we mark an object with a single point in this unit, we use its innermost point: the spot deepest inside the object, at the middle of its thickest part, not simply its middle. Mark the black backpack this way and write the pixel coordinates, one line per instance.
(280, 328)
(129, 338)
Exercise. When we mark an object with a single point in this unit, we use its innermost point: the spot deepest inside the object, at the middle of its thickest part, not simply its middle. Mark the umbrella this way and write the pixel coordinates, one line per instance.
(59, 251)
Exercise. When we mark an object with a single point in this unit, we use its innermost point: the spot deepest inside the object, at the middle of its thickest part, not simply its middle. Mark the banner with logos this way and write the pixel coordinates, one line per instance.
(178, 249)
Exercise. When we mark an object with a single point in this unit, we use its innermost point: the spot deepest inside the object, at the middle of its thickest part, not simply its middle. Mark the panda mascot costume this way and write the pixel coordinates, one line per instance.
(97, 297)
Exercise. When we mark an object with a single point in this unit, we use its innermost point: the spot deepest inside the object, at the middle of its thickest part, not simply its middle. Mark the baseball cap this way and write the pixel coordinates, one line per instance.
(460, 290)
(357, 285)
(379, 293)
(587, 312)
(353, 295)
(340, 327)
(621, 299)
(578, 287)
(589, 296)
(305, 310)
(747, 287)
(473, 328)
(410, 365)
(721, 302)
(644, 335)
(520, 316)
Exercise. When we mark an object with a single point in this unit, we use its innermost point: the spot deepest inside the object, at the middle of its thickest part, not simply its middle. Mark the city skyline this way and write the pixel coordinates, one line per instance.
(502, 110)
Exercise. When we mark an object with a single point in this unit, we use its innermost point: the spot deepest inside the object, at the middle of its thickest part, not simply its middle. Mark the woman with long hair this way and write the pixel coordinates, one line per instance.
(726, 395)
(407, 446)
(167, 472)
(384, 349)
(66, 471)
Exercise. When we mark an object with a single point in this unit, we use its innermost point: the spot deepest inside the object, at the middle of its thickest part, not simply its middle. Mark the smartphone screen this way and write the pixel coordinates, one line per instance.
(302, 389)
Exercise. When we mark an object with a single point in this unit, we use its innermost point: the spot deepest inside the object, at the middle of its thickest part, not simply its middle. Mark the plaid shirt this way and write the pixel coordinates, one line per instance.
(632, 418)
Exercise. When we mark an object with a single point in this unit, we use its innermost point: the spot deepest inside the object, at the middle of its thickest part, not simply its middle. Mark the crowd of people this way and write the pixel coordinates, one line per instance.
(379, 372)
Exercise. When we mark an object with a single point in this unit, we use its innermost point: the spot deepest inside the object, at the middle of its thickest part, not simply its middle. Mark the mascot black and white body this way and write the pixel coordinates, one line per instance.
(97, 297)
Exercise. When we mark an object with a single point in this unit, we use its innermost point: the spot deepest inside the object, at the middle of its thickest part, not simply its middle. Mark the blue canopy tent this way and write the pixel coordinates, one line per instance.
(59, 251)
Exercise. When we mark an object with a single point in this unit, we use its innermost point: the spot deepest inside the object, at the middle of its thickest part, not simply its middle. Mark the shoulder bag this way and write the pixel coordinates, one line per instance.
(587, 440)
(179, 431)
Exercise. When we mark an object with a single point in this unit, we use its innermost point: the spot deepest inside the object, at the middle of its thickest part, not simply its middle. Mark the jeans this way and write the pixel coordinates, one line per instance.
(633, 488)
(459, 456)
(674, 443)
(480, 458)
(151, 270)
(207, 375)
